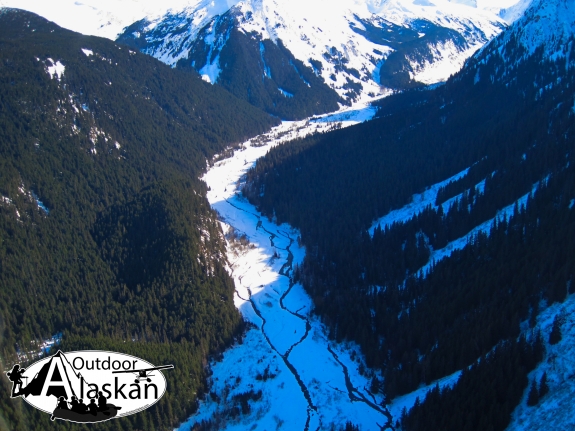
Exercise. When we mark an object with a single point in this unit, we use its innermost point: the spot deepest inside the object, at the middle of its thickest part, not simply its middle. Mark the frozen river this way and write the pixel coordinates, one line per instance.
(285, 374)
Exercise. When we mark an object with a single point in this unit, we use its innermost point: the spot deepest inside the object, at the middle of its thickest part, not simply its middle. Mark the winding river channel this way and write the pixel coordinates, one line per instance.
(294, 377)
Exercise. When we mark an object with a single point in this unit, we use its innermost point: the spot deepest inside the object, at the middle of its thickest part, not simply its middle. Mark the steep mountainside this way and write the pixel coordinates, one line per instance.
(462, 268)
(353, 49)
(106, 234)
(320, 50)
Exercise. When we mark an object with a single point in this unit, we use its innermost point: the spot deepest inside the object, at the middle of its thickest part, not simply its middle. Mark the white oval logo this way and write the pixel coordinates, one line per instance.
(89, 385)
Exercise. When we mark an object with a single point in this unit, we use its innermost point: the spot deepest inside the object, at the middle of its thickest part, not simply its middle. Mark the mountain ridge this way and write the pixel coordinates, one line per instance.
(308, 38)
(354, 52)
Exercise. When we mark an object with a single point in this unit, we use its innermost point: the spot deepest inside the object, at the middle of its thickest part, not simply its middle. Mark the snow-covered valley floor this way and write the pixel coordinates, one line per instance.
(306, 381)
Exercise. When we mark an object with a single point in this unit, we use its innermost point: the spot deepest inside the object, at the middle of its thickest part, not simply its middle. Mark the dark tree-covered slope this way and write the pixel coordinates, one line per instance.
(508, 117)
(105, 231)
(413, 45)
(264, 73)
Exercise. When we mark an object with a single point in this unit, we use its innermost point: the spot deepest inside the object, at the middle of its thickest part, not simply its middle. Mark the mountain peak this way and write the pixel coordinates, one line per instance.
(359, 49)
(546, 24)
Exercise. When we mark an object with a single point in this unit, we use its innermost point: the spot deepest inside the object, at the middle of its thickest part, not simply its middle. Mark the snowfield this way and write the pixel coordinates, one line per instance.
(104, 18)
(56, 70)
(331, 33)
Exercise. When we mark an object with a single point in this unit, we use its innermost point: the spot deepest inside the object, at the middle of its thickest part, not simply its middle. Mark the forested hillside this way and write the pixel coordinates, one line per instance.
(505, 122)
(264, 73)
(105, 232)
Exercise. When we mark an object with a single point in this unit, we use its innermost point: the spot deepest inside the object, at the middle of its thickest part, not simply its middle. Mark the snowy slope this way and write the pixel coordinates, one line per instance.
(555, 410)
(545, 24)
(349, 40)
(509, 10)
(347, 44)
(105, 18)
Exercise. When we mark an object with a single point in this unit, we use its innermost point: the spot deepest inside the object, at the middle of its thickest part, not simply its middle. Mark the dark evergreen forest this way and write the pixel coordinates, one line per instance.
(256, 70)
(102, 214)
(513, 127)
(414, 43)
(253, 69)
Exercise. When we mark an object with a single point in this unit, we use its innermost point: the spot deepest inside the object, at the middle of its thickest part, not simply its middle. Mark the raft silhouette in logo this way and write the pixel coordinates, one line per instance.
(64, 385)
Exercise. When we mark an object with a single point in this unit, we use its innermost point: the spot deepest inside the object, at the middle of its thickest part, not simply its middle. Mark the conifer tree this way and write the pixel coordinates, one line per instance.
(533, 397)
(555, 335)
(543, 386)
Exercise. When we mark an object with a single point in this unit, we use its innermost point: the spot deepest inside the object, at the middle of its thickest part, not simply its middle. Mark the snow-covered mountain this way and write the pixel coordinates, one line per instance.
(108, 18)
(357, 50)
(546, 24)
(545, 32)
(104, 18)
(346, 44)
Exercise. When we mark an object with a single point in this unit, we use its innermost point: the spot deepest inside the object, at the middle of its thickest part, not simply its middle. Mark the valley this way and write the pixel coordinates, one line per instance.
(326, 217)
(286, 359)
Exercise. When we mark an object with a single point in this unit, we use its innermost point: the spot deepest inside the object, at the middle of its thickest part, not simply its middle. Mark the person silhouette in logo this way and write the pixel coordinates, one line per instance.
(74, 403)
(93, 407)
(15, 376)
(82, 408)
(102, 402)
(62, 404)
